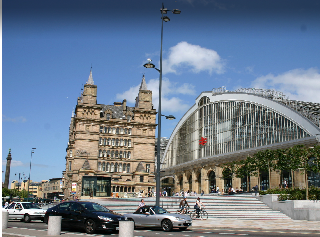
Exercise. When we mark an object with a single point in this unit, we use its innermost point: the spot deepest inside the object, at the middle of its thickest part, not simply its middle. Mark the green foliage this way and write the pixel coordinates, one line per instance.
(14, 193)
(294, 193)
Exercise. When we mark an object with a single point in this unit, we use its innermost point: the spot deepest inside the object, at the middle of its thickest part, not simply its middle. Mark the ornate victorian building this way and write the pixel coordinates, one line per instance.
(111, 147)
(224, 126)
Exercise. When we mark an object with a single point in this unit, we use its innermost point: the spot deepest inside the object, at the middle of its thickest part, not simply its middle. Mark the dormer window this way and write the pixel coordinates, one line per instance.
(108, 116)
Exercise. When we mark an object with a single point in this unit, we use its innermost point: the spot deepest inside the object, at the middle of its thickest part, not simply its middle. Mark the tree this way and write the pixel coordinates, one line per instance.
(244, 168)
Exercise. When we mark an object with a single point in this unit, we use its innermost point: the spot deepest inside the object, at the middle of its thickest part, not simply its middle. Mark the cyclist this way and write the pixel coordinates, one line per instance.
(183, 205)
(198, 206)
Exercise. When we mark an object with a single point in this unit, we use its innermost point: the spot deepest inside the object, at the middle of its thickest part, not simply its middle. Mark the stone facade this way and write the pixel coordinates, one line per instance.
(110, 142)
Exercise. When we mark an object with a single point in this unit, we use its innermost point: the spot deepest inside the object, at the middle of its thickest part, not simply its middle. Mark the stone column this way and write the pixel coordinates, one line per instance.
(195, 183)
(219, 179)
(185, 182)
(204, 181)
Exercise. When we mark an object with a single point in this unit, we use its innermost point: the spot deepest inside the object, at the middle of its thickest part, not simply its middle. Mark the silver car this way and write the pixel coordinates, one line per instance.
(154, 216)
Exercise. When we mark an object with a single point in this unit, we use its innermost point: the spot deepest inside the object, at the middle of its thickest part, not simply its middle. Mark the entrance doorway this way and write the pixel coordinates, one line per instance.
(212, 182)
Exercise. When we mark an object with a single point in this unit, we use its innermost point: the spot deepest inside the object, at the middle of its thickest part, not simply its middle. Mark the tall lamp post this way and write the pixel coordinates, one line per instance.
(150, 65)
(32, 151)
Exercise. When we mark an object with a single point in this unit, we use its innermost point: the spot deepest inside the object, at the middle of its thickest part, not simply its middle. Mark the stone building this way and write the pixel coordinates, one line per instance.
(111, 147)
(224, 126)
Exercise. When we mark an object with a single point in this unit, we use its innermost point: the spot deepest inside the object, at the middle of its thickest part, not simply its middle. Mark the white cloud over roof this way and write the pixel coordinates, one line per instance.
(297, 84)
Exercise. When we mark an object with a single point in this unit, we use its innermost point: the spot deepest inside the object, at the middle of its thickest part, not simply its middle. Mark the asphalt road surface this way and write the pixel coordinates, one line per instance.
(192, 232)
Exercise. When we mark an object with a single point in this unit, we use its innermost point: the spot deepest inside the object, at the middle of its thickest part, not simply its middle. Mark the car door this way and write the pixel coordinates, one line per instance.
(64, 212)
(147, 218)
(11, 210)
(76, 215)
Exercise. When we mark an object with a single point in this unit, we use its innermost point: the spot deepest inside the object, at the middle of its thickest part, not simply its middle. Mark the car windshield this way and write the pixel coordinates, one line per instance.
(92, 207)
(30, 206)
(159, 210)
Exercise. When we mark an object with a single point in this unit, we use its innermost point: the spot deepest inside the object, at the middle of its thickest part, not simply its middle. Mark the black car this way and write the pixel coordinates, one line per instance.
(87, 215)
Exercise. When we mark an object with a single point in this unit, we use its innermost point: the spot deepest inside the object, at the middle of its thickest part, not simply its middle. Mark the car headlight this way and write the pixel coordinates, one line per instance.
(105, 218)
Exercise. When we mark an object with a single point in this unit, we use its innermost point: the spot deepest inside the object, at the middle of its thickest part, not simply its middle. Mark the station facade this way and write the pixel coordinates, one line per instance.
(111, 148)
(224, 126)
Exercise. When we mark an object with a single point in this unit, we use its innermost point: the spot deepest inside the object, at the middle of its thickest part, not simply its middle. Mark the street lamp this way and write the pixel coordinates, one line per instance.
(32, 151)
(150, 65)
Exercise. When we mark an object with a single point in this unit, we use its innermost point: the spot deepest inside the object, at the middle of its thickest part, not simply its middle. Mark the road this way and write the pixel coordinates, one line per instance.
(39, 227)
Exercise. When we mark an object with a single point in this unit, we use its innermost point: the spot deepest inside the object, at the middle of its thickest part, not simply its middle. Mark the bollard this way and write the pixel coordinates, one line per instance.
(5, 216)
(54, 225)
(126, 228)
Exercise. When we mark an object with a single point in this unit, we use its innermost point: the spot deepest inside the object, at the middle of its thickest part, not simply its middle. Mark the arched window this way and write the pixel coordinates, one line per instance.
(129, 132)
(99, 166)
(117, 153)
(108, 153)
(117, 130)
(112, 153)
(128, 168)
(125, 131)
(129, 143)
(100, 153)
(104, 153)
(124, 154)
(114, 130)
(129, 154)
(109, 129)
(100, 140)
(103, 166)
(105, 129)
(113, 142)
(125, 142)
(120, 154)
(120, 167)
(121, 130)
(108, 167)
(121, 142)
(117, 142)
(124, 168)
(101, 129)
(112, 167)
(109, 142)
(105, 141)
(116, 167)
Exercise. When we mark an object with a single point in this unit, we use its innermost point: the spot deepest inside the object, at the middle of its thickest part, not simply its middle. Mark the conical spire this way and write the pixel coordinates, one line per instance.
(143, 85)
(90, 79)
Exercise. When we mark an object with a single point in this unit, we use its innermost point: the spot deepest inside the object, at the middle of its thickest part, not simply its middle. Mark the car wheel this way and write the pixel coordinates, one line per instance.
(90, 226)
(27, 218)
(130, 219)
(183, 228)
(166, 225)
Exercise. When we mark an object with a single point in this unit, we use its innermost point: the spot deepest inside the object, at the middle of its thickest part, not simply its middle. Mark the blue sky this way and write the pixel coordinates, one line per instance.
(48, 48)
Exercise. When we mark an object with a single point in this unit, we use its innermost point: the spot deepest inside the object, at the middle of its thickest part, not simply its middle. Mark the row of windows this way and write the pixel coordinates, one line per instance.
(113, 167)
(116, 130)
(115, 142)
(115, 154)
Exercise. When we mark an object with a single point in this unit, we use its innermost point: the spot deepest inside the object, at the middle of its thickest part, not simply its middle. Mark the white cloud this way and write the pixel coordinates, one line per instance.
(169, 92)
(14, 163)
(20, 119)
(185, 56)
(298, 84)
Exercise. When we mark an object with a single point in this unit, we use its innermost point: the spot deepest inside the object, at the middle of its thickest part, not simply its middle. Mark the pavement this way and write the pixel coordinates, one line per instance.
(216, 223)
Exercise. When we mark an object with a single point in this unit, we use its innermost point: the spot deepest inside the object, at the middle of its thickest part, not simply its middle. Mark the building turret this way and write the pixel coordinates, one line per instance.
(89, 95)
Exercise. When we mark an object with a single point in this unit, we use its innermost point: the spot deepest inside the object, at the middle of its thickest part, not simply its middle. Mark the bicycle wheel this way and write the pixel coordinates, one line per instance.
(193, 215)
(204, 215)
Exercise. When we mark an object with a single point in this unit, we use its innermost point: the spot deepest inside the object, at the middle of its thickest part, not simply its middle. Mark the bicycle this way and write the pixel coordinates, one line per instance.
(185, 209)
(203, 214)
